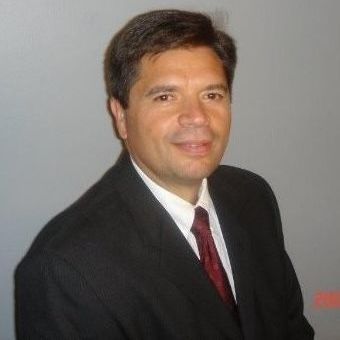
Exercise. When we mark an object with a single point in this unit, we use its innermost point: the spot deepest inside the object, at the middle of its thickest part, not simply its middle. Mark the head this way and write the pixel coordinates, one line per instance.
(157, 31)
(169, 75)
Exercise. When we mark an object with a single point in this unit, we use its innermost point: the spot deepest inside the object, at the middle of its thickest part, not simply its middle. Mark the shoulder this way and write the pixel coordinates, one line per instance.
(249, 198)
(240, 182)
(245, 194)
(84, 222)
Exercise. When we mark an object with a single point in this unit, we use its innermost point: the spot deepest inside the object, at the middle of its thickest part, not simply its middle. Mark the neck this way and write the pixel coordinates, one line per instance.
(188, 190)
(189, 194)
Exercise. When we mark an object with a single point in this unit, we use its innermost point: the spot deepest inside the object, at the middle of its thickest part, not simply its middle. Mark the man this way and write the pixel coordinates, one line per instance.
(167, 245)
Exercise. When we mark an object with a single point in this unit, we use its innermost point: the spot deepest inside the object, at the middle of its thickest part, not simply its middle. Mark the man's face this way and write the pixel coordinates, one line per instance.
(177, 123)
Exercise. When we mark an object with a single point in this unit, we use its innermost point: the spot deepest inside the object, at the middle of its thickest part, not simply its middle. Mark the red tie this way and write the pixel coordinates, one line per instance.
(209, 256)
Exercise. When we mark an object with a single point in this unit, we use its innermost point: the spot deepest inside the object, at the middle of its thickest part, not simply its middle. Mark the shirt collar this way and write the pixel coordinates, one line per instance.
(180, 210)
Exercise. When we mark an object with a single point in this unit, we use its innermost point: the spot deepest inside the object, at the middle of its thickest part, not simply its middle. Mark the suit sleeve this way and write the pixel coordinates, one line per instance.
(298, 326)
(53, 301)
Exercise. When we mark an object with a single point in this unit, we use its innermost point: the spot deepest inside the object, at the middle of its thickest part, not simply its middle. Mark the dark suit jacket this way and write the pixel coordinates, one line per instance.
(115, 266)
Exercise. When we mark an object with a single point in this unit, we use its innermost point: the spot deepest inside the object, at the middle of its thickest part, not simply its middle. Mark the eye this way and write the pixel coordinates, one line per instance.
(214, 96)
(164, 97)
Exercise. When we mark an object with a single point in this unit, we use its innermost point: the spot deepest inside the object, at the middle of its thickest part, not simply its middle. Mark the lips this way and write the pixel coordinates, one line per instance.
(195, 148)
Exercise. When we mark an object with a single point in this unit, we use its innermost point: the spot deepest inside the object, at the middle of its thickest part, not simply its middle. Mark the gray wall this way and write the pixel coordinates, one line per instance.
(56, 137)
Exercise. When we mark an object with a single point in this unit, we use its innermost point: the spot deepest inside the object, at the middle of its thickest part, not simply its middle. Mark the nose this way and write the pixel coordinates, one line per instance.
(193, 114)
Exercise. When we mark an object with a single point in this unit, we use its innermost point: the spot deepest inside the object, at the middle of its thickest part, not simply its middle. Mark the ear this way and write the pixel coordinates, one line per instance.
(119, 116)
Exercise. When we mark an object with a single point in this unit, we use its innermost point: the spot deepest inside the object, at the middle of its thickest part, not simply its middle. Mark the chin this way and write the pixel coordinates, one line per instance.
(198, 171)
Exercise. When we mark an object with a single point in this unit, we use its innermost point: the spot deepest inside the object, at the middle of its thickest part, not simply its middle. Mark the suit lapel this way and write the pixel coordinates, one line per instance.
(181, 266)
(172, 253)
(239, 251)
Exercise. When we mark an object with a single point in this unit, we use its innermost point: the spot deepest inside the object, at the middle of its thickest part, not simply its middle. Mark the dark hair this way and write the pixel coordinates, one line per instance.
(155, 32)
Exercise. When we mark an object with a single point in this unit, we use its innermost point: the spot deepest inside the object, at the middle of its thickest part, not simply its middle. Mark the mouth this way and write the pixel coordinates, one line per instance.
(194, 148)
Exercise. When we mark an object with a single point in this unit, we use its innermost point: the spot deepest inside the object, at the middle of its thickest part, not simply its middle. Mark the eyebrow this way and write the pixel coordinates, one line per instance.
(217, 87)
(172, 88)
(161, 89)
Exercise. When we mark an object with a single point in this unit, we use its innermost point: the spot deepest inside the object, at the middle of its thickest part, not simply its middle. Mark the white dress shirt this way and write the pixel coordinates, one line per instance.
(183, 212)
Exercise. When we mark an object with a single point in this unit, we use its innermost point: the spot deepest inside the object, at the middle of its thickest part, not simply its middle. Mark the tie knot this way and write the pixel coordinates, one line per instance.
(201, 221)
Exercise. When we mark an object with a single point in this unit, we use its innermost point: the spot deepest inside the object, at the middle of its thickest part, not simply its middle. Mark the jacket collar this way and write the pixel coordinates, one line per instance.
(237, 241)
(176, 260)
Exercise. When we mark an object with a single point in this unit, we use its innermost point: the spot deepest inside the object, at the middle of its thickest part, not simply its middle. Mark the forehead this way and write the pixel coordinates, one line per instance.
(193, 61)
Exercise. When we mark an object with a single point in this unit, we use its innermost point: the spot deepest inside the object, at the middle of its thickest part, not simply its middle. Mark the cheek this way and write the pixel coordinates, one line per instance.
(144, 134)
(220, 122)
(159, 127)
